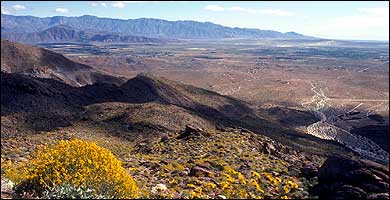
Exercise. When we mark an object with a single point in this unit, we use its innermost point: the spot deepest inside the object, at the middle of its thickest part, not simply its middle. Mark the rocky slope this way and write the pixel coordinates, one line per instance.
(42, 63)
(167, 133)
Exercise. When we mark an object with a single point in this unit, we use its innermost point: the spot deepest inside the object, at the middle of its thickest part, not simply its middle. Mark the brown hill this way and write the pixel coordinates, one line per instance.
(42, 63)
(143, 103)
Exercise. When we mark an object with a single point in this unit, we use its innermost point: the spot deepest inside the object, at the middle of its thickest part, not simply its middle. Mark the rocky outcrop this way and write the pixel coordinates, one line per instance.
(200, 171)
(191, 132)
(344, 178)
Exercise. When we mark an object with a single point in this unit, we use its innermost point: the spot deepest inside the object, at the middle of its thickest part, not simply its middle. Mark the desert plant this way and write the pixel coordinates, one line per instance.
(79, 163)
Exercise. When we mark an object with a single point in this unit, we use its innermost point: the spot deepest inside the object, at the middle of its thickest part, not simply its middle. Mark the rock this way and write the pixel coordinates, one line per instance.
(164, 138)
(293, 171)
(335, 167)
(183, 173)
(349, 192)
(158, 188)
(370, 188)
(190, 132)
(344, 178)
(382, 175)
(208, 179)
(151, 165)
(163, 162)
(204, 166)
(221, 197)
(6, 185)
(361, 175)
(198, 171)
(130, 127)
(268, 148)
(378, 196)
(309, 171)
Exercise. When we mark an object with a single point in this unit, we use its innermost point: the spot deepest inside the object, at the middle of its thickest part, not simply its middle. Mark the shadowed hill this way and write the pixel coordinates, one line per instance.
(164, 105)
(42, 63)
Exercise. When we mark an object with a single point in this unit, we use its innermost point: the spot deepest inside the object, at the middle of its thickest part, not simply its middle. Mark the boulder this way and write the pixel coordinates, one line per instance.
(378, 196)
(309, 171)
(199, 172)
(345, 178)
(190, 132)
(268, 148)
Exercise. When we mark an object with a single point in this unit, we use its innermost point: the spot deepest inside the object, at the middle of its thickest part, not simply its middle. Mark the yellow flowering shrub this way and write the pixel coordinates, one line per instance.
(257, 186)
(76, 162)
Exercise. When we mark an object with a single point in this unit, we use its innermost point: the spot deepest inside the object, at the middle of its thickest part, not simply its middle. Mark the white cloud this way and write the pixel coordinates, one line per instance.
(239, 9)
(214, 8)
(95, 4)
(276, 12)
(122, 4)
(5, 11)
(62, 10)
(19, 7)
(374, 11)
(118, 4)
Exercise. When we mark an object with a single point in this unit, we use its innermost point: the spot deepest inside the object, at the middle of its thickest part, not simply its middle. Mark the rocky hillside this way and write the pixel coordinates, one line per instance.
(162, 99)
(178, 141)
(42, 63)
(145, 27)
(345, 178)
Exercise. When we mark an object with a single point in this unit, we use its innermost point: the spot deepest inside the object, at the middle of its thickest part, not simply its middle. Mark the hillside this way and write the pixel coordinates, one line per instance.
(165, 132)
(162, 100)
(145, 27)
(42, 63)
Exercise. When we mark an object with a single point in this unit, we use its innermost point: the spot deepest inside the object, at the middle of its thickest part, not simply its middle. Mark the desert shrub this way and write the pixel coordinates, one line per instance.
(78, 163)
(235, 185)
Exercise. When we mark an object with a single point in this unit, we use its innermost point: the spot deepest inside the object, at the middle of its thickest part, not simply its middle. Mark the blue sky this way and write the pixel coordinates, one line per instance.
(361, 20)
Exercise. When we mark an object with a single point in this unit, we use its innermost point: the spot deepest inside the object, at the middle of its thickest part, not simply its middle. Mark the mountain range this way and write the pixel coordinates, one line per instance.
(87, 27)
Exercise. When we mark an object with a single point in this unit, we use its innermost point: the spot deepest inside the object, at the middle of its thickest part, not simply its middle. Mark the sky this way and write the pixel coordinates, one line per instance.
(355, 20)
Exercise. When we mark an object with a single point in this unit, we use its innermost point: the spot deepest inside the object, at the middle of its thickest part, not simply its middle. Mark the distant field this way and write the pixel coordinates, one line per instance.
(258, 71)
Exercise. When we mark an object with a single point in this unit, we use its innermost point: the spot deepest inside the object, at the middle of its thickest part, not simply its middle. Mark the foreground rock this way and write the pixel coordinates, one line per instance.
(6, 188)
(344, 178)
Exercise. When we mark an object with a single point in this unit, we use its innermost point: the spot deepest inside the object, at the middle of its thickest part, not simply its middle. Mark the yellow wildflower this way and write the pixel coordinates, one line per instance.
(286, 189)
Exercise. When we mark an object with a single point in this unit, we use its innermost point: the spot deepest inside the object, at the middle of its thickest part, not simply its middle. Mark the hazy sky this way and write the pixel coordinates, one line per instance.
(334, 20)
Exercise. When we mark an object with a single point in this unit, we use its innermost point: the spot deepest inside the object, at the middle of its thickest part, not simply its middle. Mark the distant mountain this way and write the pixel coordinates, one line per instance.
(42, 63)
(65, 33)
(146, 27)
